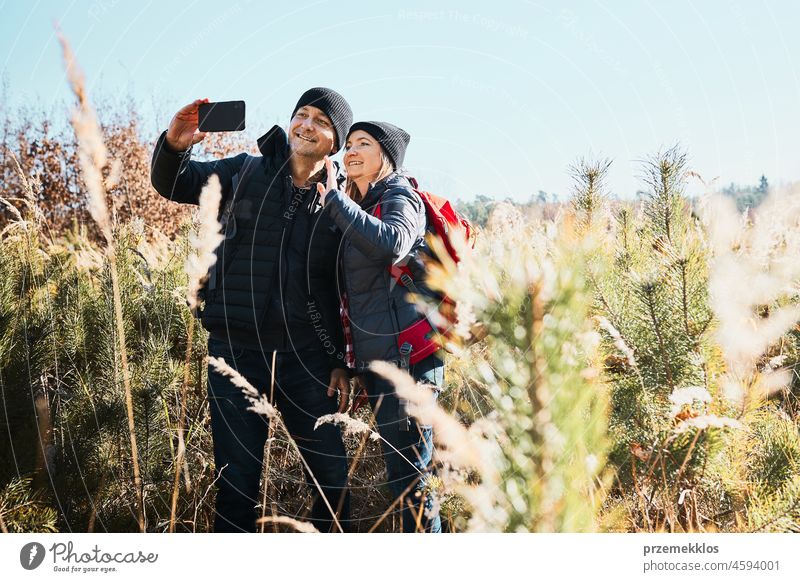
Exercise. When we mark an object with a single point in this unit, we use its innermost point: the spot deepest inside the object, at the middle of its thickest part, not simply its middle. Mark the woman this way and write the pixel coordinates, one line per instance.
(383, 221)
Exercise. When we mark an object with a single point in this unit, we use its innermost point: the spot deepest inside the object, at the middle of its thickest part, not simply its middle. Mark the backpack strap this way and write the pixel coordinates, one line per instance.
(238, 182)
(241, 177)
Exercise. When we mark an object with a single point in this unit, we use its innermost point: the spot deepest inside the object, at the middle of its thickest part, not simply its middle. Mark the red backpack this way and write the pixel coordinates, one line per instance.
(421, 339)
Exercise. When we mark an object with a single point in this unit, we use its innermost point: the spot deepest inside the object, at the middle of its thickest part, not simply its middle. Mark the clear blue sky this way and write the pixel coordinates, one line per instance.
(499, 97)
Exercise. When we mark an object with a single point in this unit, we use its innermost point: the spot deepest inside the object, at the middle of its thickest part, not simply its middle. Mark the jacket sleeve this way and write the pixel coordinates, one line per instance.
(179, 179)
(385, 239)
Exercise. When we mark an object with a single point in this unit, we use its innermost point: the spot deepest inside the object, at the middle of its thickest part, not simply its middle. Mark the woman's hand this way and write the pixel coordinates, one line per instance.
(330, 183)
(340, 382)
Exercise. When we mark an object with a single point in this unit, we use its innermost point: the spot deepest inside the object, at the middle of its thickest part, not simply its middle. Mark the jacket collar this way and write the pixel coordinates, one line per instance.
(377, 189)
(275, 141)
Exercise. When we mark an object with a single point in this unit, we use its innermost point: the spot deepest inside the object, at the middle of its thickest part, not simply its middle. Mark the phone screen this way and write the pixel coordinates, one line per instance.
(221, 116)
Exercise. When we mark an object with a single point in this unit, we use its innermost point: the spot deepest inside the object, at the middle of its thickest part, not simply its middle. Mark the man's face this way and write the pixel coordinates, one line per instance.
(311, 133)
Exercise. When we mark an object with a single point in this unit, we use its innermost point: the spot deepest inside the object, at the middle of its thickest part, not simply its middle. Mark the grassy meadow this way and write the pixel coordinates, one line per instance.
(616, 366)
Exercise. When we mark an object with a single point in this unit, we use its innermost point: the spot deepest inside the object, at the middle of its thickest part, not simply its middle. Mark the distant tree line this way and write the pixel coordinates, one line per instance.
(478, 210)
(747, 196)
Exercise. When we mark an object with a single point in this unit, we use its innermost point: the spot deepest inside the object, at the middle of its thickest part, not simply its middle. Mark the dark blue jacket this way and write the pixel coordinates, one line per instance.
(379, 307)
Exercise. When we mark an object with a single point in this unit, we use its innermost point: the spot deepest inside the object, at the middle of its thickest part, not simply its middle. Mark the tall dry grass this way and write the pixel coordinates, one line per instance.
(628, 380)
(94, 160)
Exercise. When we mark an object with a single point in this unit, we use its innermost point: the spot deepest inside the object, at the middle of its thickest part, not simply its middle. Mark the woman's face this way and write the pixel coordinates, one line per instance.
(362, 158)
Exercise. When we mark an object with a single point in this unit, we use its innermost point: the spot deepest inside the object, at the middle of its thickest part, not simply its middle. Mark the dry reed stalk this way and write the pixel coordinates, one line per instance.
(204, 244)
(540, 397)
(270, 439)
(44, 425)
(389, 509)
(181, 440)
(93, 159)
(95, 502)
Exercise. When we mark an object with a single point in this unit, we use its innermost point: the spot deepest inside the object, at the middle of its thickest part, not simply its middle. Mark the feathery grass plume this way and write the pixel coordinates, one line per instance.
(33, 214)
(300, 526)
(686, 397)
(29, 186)
(351, 426)
(751, 317)
(14, 211)
(689, 408)
(259, 401)
(459, 447)
(707, 421)
(204, 242)
(92, 151)
(94, 159)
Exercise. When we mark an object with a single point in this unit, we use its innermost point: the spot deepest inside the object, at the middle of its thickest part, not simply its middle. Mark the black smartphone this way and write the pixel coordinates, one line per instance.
(221, 116)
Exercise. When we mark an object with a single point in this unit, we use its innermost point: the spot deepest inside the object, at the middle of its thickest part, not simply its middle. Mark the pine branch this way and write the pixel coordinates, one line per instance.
(649, 292)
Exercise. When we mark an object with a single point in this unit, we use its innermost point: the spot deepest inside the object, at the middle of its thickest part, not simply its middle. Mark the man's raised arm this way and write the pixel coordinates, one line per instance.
(173, 174)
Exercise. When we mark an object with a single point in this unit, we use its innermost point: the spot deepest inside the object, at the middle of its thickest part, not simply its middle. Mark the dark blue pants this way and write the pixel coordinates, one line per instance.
(409, 469)
(239, 434)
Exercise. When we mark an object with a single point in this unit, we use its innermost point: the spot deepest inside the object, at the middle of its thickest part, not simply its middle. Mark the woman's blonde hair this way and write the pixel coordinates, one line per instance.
(351, 188)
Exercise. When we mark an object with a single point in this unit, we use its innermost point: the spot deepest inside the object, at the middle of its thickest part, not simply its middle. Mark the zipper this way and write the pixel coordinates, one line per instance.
(284, 260)
(349, 311)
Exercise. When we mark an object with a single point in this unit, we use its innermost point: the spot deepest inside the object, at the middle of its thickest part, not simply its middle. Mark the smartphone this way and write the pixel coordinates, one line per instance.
(221, 116)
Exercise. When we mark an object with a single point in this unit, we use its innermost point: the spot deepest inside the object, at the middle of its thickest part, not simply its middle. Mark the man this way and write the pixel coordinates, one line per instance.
(271, 294)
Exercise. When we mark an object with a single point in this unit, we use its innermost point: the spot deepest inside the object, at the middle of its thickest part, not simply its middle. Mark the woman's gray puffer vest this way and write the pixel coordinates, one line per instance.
(379, 307)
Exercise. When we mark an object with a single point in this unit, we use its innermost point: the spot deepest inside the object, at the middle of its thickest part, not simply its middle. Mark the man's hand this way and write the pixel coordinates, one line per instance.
(182, 131)
(341, 382)
(330, 182)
